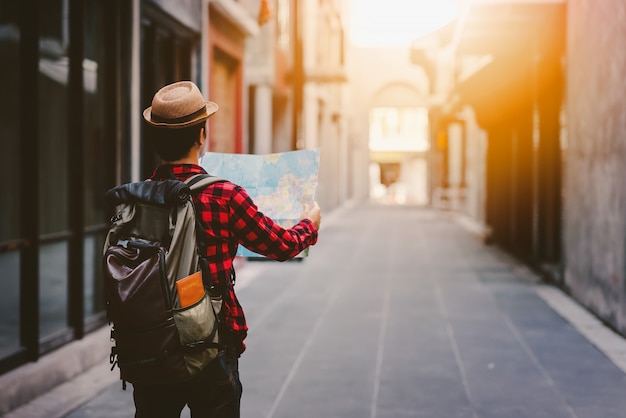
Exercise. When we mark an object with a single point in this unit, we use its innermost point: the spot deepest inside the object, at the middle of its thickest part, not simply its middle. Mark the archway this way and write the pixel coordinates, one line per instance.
(398, 145)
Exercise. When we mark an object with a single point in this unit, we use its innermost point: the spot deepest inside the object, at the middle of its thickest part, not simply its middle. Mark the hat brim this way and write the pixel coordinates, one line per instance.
(211, 108)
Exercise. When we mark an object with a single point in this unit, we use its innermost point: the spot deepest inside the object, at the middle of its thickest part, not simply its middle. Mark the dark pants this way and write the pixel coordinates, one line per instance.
(214, 393)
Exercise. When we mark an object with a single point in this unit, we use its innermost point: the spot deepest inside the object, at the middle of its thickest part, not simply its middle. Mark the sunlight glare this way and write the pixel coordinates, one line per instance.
(396, 23)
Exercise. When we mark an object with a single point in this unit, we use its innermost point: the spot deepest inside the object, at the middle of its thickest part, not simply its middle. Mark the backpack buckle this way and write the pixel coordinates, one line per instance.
(113, 357)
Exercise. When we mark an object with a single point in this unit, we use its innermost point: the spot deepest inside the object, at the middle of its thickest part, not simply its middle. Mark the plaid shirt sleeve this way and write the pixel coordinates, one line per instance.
(262, 235)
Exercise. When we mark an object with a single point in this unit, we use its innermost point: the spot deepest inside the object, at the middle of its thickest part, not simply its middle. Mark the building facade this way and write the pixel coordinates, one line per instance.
(534, 113)
(65, 78)
(594, 180)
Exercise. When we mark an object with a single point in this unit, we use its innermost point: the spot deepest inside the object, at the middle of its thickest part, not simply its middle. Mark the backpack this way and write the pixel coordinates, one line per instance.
(164, 315)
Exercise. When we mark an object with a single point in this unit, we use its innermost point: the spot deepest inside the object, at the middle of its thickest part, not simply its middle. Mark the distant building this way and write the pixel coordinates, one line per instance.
(388, 125)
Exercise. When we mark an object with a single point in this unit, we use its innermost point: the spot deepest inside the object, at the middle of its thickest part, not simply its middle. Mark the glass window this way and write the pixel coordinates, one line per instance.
(166, 57)
(9, 302)
(53, 288)
(10, 218)
(53, 165)
(53, 78)
(99, 156)
(399, 129)
(99, 169)
(94, 289)
(10, 119)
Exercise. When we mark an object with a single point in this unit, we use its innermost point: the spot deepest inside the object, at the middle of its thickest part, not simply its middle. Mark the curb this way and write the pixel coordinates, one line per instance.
(612, 344)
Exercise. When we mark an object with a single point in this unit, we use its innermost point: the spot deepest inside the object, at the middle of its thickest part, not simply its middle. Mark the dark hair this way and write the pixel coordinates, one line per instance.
(173, 144)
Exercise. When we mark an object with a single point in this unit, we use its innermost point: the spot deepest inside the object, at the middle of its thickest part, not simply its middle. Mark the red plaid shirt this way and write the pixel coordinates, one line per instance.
(231, 218)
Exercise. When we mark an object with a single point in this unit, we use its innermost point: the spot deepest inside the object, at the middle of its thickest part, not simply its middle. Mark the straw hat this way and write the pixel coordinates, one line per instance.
(178, 105)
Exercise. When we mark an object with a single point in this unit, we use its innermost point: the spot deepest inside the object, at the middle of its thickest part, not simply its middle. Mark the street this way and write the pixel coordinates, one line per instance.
(401, 312)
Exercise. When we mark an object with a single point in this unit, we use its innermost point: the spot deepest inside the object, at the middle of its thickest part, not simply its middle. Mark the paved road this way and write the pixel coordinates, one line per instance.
(400, 312)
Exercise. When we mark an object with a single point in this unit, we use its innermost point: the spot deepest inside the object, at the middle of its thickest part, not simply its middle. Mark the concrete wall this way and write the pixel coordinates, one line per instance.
(475, 168)
(595, 158)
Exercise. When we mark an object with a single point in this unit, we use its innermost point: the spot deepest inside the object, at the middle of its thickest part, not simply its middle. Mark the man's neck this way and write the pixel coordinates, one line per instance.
(186, 160)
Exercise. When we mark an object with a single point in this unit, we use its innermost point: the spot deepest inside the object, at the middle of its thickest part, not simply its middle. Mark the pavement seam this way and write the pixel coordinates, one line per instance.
(455, 349)
(380, 355)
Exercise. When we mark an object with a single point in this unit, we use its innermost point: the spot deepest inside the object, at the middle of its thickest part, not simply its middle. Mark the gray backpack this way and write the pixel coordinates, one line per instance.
(164, 315)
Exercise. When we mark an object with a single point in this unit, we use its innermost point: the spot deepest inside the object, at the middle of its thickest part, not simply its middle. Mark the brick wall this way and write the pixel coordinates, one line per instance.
(594, 221)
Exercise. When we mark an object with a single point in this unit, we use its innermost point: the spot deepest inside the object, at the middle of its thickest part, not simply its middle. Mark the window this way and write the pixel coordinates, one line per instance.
(10, 215)
(166, 57)
(399, 129)
(53, 166)
(39, 235)
(99, 156)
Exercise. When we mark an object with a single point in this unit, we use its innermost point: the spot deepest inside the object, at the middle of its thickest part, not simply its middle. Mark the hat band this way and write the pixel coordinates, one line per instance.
(181, 119)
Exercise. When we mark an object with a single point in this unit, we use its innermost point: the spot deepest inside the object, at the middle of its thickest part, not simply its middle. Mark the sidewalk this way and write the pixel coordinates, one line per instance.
(400, 312)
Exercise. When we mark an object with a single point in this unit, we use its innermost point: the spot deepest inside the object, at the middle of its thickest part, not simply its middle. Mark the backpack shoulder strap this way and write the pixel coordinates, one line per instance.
(200, 181)
(196, 183)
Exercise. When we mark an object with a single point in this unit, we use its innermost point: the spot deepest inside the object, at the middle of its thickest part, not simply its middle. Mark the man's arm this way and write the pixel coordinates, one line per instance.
(262, 235)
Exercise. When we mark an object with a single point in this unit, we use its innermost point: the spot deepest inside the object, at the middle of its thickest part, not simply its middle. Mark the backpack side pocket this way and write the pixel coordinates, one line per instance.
(198, 329)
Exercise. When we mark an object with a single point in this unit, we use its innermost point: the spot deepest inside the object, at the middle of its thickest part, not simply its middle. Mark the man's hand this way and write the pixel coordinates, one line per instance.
(312, 212)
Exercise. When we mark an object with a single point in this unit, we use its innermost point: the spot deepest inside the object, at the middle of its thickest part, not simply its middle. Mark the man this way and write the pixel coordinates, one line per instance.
(176, 128)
